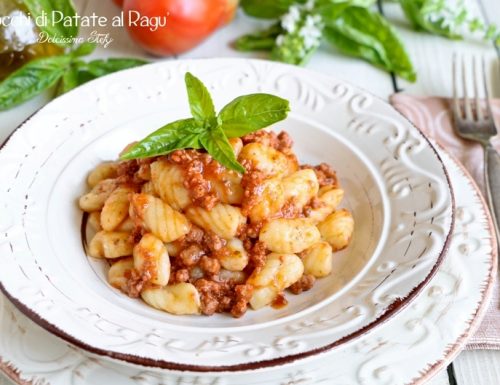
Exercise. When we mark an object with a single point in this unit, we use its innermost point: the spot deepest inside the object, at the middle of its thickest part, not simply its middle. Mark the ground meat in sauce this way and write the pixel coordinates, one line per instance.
(191, 255)
(325, 173)
(197, 262)
(136, 282)
(216, 297)
(313, 204)
(198, 168)
(251, 182)
(305, 283)
(242, 297)
(289, 210)
(213, 242)
(281, 142)
(210, 265)
(257, 255)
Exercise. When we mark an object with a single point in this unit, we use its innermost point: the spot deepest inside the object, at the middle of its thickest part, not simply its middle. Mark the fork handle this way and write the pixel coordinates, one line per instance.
(492, 177)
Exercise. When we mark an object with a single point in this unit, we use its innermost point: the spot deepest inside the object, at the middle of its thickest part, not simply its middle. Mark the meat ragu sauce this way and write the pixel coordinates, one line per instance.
(199, 256)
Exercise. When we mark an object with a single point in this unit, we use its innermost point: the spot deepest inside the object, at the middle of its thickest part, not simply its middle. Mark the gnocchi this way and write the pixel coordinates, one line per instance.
(158, 217)
(168, 181)
(318, 259)
(116, 208)
(188, 236)
(223, 219)
(151, 258)
(110, 245)
(300, 187)
(337, 229)
(279, 272)
(289, 235)
(182, 298)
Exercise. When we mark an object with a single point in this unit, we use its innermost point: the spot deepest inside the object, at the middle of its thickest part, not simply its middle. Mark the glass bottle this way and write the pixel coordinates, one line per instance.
(19, 38)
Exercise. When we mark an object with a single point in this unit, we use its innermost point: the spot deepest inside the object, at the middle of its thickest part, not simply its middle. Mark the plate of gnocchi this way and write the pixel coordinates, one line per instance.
(219, 215)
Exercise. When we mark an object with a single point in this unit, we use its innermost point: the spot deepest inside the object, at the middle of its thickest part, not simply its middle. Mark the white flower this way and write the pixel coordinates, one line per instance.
(290, 19)
(309, 5)
(279, 40)
(311, 32)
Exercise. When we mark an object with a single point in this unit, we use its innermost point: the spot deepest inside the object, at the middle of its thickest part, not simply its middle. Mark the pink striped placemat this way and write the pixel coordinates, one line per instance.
(433, 116)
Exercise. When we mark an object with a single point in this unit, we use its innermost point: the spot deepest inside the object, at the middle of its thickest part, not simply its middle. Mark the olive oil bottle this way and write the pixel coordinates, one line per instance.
(19, 38)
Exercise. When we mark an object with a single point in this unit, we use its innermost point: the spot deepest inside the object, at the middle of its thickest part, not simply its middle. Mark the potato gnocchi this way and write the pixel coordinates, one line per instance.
(188, 236)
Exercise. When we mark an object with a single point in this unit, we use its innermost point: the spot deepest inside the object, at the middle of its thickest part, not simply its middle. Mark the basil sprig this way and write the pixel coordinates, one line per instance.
(206, 130)
(349, 25)
(61, 32)
(65, 71)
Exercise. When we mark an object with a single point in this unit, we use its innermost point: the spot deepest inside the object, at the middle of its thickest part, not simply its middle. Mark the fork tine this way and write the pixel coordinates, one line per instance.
(467, 107)
(479, 110)
(456, 102)
(486, 91)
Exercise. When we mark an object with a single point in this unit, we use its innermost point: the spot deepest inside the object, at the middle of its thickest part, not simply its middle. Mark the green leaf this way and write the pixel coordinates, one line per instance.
(88, 71)
(84, 49)
(259, 41)
(268, 9)
(215, 142)
(53, 11)
(98, 68)
(32, 79)
(416, 11)
(331, 9)
(200, 101)
(365, 34)
(250, 113)
(68, 81)
(177, 135)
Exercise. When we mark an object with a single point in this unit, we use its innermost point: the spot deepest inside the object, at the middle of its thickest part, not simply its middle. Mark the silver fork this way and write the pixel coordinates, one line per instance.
(474, 123)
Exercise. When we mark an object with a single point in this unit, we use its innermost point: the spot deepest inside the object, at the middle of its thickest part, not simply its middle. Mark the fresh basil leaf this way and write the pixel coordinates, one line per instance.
(268, 9)
(177, 135)
(68, 81)
(98, 68)
(32, 79)
(250, 113)
(362, 33)
(52, 11)
(259, 41)
(414, 11)
(84, 49)
(215, 142)
(200, 101)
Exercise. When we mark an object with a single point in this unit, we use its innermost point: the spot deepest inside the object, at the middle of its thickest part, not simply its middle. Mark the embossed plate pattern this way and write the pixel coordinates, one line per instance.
(408, 349)
(397, 189)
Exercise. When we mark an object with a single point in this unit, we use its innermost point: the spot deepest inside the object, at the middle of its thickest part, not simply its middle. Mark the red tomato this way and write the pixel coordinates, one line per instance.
(188, 22)
(118, 2)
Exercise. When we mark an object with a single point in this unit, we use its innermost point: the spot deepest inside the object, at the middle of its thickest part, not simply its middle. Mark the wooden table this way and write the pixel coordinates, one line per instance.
(432, 58)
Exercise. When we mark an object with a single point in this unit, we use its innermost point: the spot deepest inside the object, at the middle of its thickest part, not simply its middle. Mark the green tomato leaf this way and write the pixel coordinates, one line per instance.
(268, 9)
(259, 41)
(84, 49)
(250, 113)
(32, 79)
(177, 135)
(365, 34)
(55, 27)
(200, 101)
(215, 142)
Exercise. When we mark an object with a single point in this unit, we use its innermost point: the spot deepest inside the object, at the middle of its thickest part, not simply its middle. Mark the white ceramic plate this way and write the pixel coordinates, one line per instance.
(396, 185)
(408, 349)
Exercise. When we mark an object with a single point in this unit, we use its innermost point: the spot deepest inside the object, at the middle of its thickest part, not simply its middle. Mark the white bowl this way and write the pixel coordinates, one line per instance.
(395, 183)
